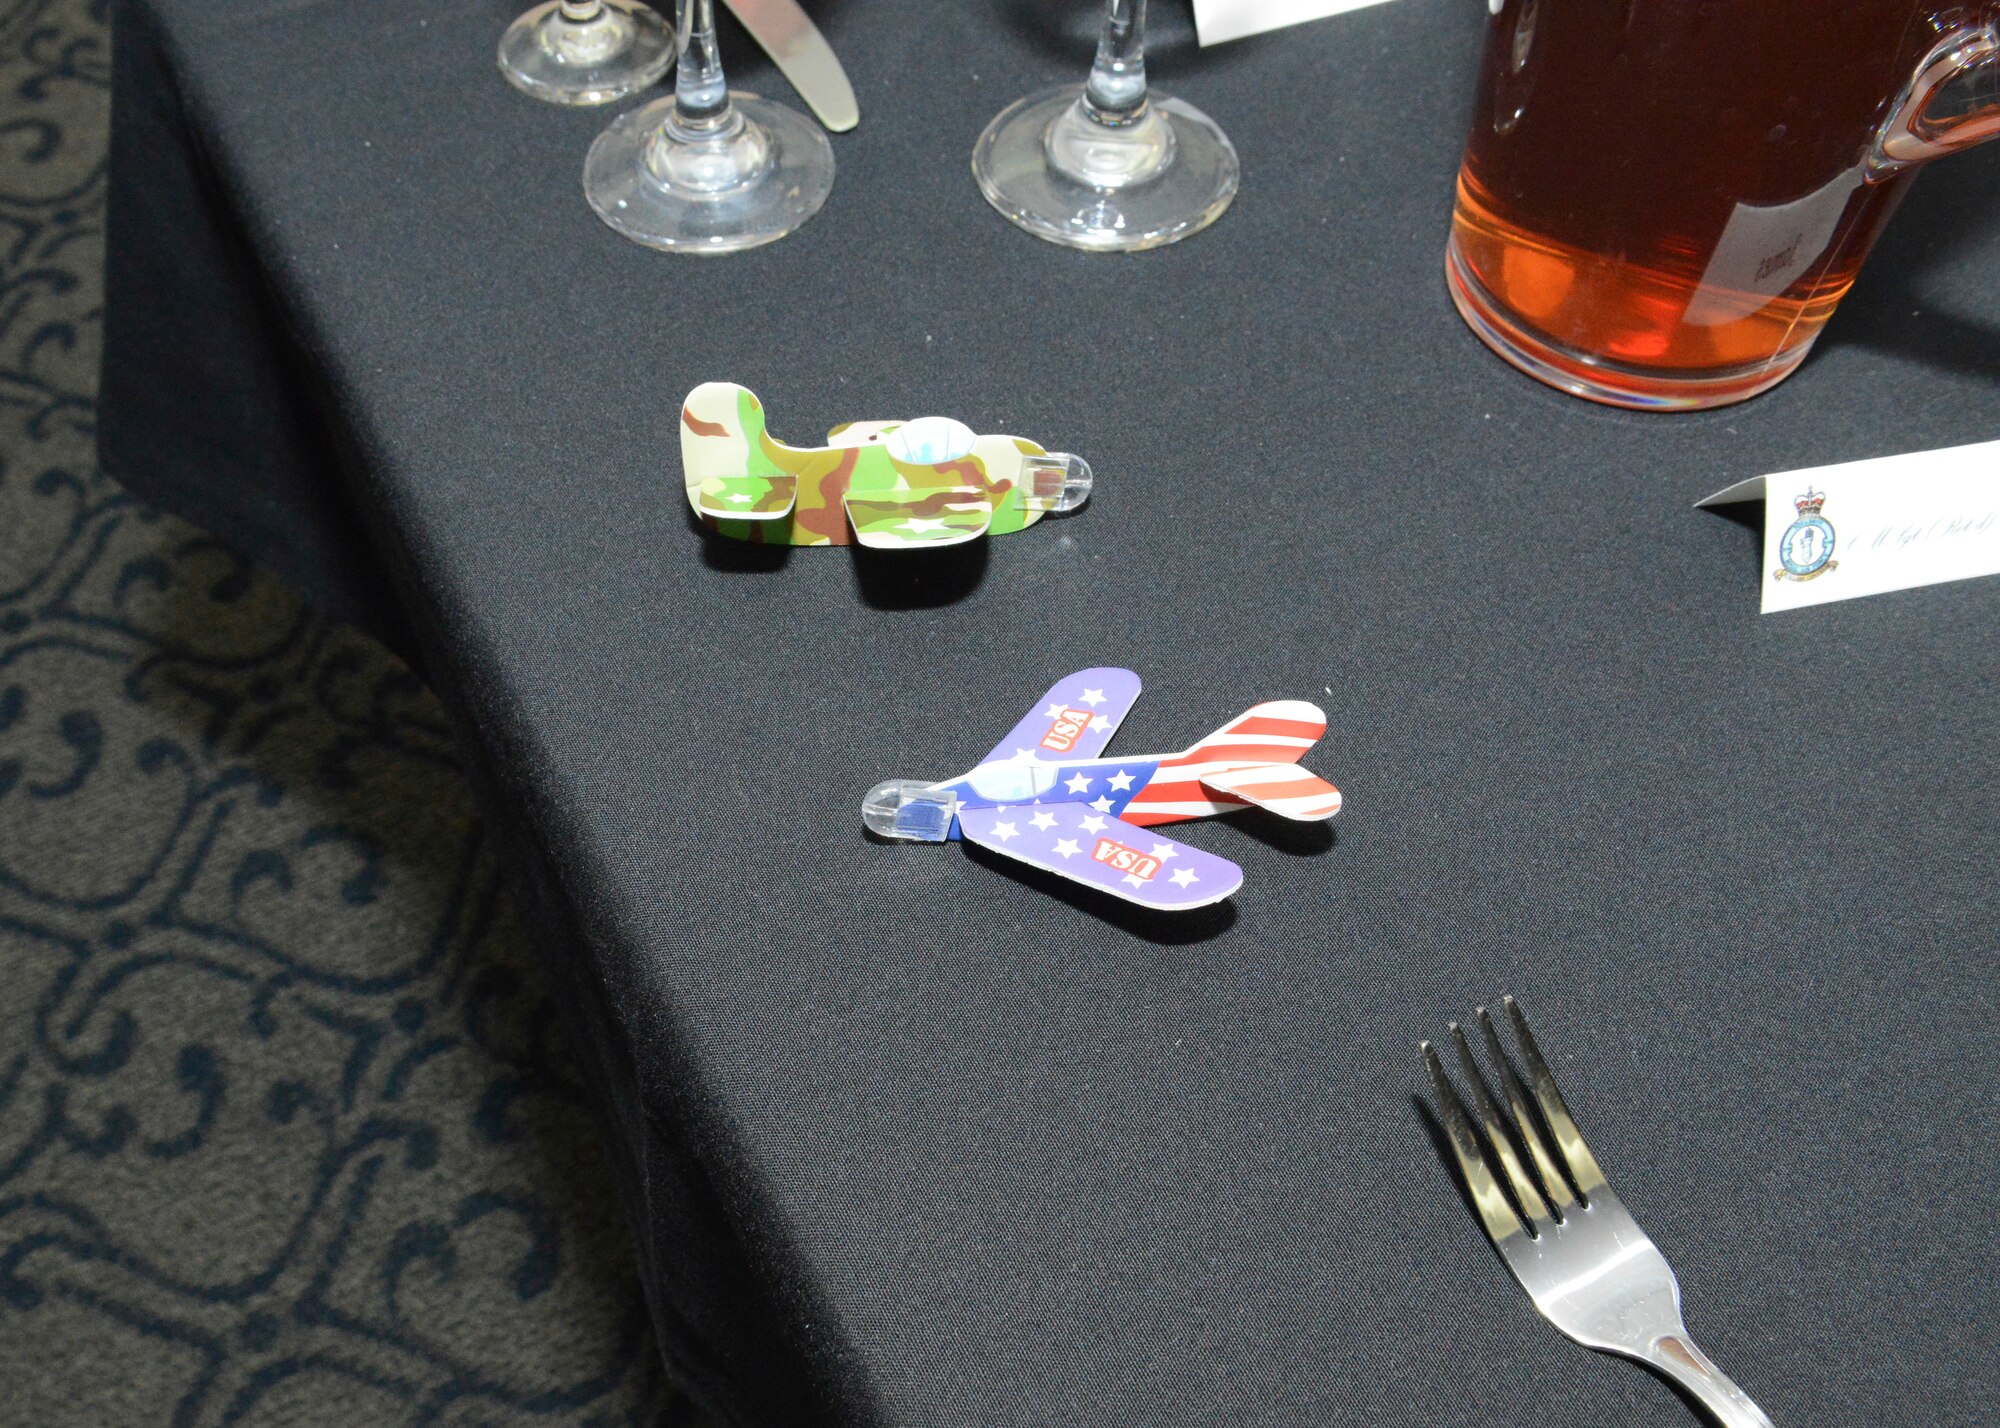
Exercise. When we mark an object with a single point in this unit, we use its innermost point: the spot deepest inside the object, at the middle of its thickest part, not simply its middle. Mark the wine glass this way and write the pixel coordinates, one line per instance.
(707, 170)
(586, 51)
(1103, 165)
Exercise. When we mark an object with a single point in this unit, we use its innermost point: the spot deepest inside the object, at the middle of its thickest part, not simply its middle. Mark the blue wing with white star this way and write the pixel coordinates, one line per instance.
(1075, 719)
(1077, 842)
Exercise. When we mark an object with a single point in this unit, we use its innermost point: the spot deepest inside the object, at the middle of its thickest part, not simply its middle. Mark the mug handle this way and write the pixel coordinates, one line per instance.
(1951, 103)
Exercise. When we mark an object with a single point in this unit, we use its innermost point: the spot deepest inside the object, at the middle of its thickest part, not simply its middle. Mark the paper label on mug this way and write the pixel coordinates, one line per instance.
(1765, 249)
(1867, 527)
(1219, 20)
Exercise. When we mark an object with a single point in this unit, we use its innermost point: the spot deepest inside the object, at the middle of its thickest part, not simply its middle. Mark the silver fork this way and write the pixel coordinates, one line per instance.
(1582, 1258)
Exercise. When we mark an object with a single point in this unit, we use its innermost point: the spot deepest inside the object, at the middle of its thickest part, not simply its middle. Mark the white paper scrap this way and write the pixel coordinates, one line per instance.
(1867, 527)
(1219, 20)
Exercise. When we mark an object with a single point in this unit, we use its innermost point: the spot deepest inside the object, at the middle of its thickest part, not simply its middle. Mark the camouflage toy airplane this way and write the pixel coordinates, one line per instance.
(888, 485)
(1046, 798)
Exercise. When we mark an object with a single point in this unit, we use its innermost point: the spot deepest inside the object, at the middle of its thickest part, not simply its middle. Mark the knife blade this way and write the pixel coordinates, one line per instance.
(803, 56)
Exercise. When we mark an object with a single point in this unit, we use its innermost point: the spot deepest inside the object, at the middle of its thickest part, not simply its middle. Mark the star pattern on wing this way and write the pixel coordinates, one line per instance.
(1121, 781)
(1077, 783)
(1103, 721)
(1117, 857)
(1101, 804)
(1092, 697)
(1054, 711)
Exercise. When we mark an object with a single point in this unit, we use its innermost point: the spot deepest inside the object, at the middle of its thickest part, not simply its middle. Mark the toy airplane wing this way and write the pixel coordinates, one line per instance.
(746, 498)
(1075, 719)
(1286, 789)
(1075, 841)
(931, 518)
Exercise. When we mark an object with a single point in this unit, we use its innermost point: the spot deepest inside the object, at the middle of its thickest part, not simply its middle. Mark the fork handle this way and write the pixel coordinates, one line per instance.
(1676, 1356)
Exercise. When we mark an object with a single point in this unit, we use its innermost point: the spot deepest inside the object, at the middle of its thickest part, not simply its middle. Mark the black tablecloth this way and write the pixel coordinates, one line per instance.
(912, 1137)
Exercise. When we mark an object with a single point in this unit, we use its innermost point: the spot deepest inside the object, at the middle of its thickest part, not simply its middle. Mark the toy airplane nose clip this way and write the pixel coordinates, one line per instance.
(909, 810)
(1057, 483)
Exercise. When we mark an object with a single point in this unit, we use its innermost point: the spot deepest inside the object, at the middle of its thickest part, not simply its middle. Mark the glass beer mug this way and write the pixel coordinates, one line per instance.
(1661, 201)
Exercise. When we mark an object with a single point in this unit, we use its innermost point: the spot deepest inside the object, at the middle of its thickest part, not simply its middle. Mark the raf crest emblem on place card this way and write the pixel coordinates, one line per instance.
(1805, 550)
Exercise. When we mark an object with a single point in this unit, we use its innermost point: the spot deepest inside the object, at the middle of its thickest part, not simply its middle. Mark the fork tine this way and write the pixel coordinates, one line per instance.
(1583, 1165)
(1495, 1214)
(1554, 1186)
(1525, 1194)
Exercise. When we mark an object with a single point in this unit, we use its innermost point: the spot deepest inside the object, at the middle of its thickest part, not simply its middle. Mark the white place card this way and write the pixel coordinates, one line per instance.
(1866, 527)
(1219, 20)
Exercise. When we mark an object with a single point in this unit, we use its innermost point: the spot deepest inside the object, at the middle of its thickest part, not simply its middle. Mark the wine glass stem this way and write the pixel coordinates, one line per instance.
(1116, 91)
(581, 12)
(701, 94)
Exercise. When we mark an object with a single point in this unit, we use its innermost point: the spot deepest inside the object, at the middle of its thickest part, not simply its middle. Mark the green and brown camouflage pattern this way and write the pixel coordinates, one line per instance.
(743, 482)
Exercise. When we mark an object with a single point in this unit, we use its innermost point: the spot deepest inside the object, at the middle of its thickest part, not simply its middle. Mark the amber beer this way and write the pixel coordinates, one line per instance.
(1661, 201)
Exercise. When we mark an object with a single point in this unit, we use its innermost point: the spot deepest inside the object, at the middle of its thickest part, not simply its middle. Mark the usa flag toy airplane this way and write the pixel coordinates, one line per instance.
(1047, 798)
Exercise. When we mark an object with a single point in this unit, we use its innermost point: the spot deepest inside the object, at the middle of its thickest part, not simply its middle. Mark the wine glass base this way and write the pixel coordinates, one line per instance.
(709, 209)
(1189, 191)
(1599, 379)
(625, 49)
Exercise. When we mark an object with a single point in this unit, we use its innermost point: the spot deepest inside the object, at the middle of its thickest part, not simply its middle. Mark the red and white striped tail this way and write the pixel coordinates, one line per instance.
(1286, 789)
(1277, 732)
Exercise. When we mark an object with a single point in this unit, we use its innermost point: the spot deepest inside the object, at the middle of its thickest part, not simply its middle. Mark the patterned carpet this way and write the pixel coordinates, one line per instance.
(288, 1135)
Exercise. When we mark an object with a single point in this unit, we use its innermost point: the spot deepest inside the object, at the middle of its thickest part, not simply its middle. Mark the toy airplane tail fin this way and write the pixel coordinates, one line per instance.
(1277, 732)
(1253, 759)
(1285, 789)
